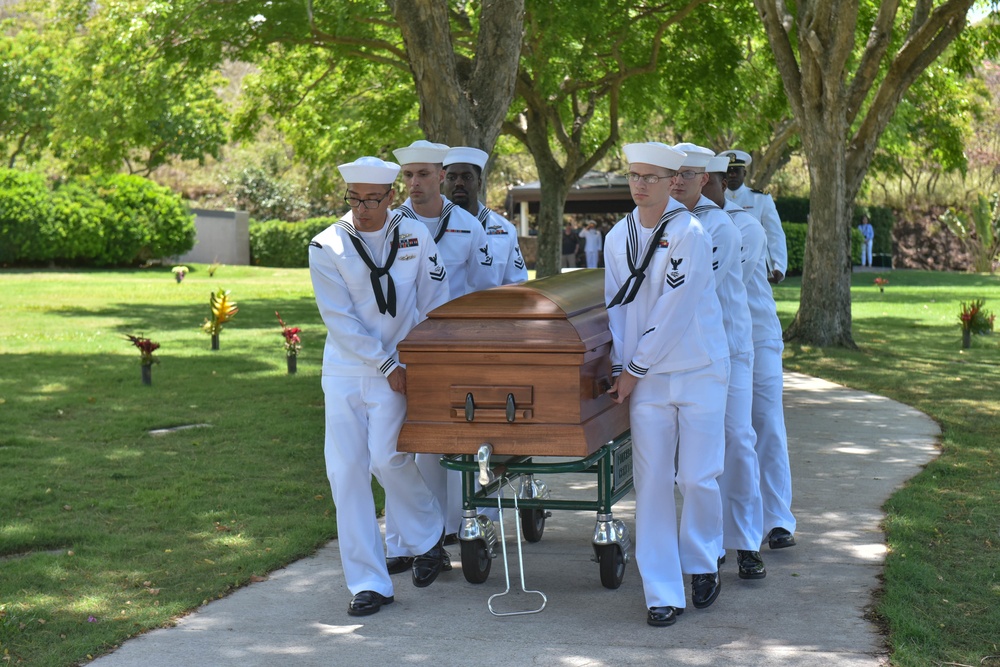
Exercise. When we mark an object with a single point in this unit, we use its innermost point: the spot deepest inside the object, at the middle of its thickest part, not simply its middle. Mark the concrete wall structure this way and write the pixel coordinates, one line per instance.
(220, 236)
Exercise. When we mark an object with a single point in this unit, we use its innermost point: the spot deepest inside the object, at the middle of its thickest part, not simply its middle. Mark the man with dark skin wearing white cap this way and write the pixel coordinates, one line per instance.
(463, 179)
(670, 358)
(761, 206)
(375, 277)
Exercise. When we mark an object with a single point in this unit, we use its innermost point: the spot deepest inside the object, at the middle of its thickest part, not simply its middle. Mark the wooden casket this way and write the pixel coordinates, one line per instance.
(524, 368)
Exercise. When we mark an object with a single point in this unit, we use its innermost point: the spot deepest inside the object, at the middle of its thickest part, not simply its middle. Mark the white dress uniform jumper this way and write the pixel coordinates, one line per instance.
(370, 296)
(508, 264)
(666, 326)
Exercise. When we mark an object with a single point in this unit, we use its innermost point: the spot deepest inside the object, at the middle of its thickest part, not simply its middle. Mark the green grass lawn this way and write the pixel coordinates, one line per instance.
(106, 530)
(941, 598)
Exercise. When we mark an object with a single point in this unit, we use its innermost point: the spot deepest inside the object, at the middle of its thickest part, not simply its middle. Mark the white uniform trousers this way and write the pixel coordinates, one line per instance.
(363, 418)
(446, 485)
(592, 256)
(677, 416)
(742, 511)
(772, 440)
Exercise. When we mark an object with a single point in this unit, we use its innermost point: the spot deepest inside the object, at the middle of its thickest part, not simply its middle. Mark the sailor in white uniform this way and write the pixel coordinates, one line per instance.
(465, 253)
(463, 180)
(768, 383)
(740, 481)
(670, 358)
(761, 206)
(375, 276)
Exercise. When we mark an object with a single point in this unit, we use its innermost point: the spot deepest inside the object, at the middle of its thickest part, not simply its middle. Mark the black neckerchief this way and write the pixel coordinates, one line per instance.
(443, 220)
(386, 302)
(630, 288)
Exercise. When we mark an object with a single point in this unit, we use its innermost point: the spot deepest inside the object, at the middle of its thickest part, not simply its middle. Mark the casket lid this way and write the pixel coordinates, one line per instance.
(561, 313)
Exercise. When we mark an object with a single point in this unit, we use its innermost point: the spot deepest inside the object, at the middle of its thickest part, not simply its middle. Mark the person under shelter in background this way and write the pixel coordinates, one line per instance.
(570, 246)
(375, 276)
(592, 243)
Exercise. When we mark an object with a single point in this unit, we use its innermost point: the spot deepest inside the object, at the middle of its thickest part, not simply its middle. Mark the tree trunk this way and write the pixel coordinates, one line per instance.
(462, 103)
(550, 219)
(824, 316)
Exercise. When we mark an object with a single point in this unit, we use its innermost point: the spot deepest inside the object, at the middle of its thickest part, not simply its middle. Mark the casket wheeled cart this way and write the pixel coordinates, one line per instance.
(499, 377)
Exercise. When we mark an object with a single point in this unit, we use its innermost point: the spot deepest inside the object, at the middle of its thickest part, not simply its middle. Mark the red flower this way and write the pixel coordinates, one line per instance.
(292, 341)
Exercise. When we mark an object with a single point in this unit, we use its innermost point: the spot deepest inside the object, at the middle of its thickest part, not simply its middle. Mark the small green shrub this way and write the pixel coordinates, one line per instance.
(76, 224)
(792, 208)
(116, 220)
(147, 221)
(284, 244)
(24, 209)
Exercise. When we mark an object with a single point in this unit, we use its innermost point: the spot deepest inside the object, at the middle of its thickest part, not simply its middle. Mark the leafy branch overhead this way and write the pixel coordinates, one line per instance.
(224, 309)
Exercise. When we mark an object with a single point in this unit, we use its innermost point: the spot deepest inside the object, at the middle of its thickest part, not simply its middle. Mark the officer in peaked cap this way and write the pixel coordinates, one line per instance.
(760, 205)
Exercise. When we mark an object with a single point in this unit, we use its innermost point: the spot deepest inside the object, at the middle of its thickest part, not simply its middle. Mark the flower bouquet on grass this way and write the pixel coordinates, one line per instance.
(292, 344)
(146, 358)
(974, 320)
(223, 311)
(881, 282)
(180, 272)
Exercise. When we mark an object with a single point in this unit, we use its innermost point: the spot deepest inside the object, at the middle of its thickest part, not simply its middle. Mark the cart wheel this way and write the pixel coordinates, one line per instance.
(612, 562)
(532, 524)
(475, 561)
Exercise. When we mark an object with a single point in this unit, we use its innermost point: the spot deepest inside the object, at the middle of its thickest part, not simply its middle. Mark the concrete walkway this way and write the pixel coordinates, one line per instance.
(849, 451)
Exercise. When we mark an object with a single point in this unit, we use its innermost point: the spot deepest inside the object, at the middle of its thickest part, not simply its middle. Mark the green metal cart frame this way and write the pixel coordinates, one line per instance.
(611, 463)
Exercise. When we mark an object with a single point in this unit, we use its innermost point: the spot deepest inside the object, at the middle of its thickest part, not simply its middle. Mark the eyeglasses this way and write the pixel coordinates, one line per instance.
(688, 175)
(649, 179)
(354, 202)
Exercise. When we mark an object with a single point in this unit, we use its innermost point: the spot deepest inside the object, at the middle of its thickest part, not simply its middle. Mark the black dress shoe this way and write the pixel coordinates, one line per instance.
(751, 564)
(427, 567)
(450, 538)
(366, 603)
(779, 538)
(704, 589)
(661, 617)
(399, 564)
(446, 563)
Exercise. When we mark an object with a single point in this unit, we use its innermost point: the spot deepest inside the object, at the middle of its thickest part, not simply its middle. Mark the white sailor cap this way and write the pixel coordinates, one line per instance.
(695, 156)
(719, 163)
(737, 158)
(654, 153)
(421, 151)
(466, 155)
(370, 170)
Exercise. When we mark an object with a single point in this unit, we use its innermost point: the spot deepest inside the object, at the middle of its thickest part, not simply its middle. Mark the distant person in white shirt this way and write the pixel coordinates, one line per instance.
(592, 243)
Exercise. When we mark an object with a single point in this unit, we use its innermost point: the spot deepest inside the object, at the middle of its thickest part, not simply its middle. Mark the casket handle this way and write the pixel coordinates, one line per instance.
(602, 385)
(470, 407)
(511, 409)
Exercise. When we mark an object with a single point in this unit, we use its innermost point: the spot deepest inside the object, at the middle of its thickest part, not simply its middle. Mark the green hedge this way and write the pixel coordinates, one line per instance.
(795, 241)
(284, 244)
(111, 221)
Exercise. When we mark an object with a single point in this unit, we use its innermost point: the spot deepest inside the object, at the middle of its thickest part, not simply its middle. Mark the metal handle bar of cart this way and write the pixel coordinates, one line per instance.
(520, 563)
(612, 464)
